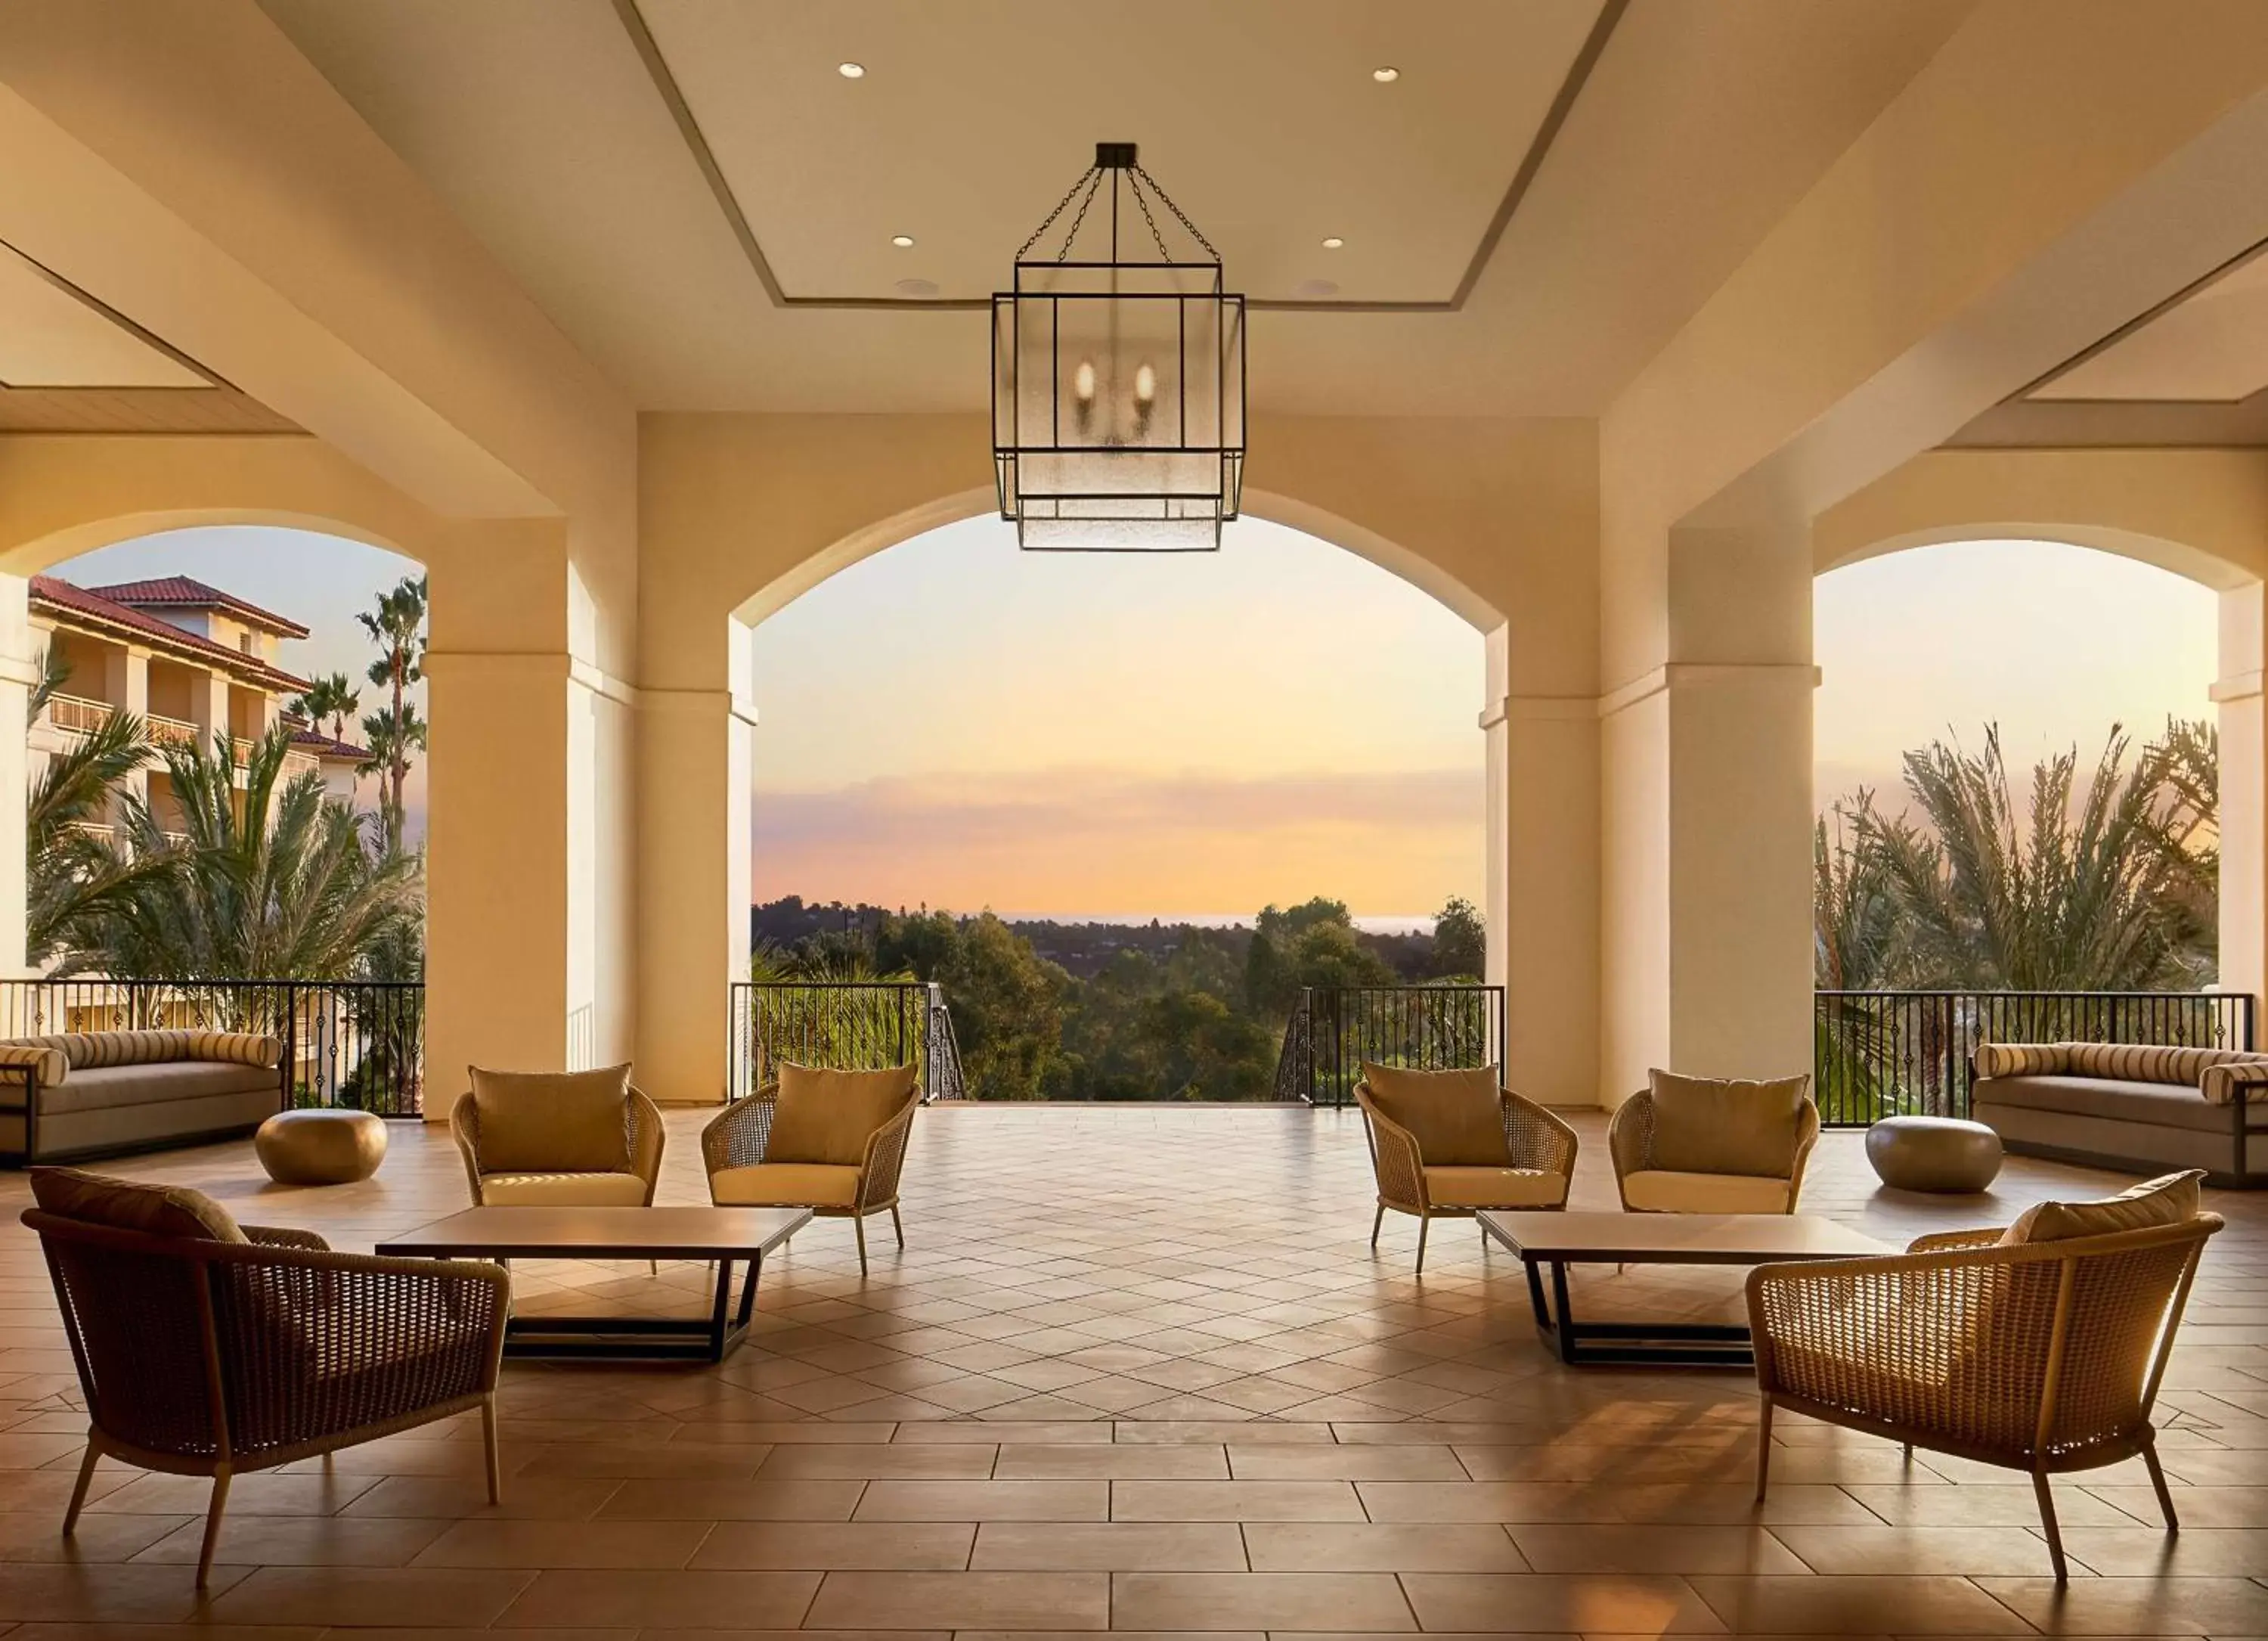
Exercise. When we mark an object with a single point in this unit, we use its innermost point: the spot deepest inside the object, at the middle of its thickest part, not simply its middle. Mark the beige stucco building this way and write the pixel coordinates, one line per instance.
(1644, 314)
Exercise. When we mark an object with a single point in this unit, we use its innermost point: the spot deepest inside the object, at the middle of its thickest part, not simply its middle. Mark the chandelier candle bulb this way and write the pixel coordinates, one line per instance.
(1118, 374)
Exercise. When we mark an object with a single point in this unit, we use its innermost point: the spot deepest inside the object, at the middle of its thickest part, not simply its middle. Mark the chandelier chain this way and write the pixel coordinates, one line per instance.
(1180, 215)
(1072, 238)
(1135, 189)
(1085, 180)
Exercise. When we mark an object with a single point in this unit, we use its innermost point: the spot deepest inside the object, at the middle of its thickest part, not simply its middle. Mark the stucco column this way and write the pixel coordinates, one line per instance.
(1543, 843)
(1706, 783)
(18, 672)
(126, 686)
(2243, 796)
(696, 766)
(529, 821)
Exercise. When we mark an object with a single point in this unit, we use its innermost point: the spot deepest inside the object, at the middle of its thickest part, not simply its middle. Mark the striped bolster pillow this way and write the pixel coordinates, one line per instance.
(2019, 1060)
(49, 1065)
(90, 1051)
(2142, 1062)
(2220, 1083)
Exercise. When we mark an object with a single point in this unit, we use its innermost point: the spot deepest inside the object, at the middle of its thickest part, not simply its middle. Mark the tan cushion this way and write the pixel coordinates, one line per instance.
(1494, 1187)
(1726, 1125)
(2169, 1199)
(828, 1116)
(1456, 1117)
(553, 1122)
(2018, 1059)
(129, 1204)
(1666, 1191)
(94, 1050)
(784, 1185)
(563, 1190)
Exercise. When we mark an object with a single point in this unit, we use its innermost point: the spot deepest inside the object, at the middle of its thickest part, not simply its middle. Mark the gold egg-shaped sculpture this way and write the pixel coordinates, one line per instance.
(320, 1147)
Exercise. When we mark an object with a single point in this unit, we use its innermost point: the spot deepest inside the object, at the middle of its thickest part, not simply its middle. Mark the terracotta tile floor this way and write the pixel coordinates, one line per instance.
(1136, 1371)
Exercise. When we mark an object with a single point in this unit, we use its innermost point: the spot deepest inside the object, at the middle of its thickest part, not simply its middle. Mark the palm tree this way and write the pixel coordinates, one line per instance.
(331, 700)
(397, 626)
(272, 881)
(1856, 1041)
(70, 877)
(2074, 891)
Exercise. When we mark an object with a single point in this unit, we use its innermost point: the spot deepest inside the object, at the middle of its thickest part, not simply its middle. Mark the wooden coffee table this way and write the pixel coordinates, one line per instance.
(722, 1235)
(1559, 1240)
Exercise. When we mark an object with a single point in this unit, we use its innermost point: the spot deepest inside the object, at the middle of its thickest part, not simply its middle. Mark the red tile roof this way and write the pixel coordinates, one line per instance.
(182, 592)
(81, 604)
(324, 746)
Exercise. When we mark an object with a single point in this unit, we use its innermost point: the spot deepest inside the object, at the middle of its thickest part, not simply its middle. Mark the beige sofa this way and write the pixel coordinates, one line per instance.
(2128, 1106)
(94, 1093)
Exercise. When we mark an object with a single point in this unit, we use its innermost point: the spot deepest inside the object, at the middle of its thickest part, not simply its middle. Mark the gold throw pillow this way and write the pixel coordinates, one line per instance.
(1457, 1117)
(828, 1116)
(129, 1204)
(2169, 1199)
(553, 1122)
(1726, 1125)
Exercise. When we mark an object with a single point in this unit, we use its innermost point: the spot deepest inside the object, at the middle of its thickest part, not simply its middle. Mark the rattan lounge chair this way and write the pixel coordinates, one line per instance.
(1534, 1171)
(746, 1168)
(2040, 1357)
(1647, 1185)
(534, 1178)
(208, 1358)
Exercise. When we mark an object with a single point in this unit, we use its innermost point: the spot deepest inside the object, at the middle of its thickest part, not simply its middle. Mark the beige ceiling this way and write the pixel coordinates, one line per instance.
(69, 365)
(1700, 123)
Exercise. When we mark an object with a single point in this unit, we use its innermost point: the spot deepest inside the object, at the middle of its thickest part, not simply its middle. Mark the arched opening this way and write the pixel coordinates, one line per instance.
(222, 793)
(1123, 760)
(2018, 781)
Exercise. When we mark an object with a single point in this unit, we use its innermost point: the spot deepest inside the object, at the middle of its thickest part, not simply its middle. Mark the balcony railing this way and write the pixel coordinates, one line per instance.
(1424, 1028)
(352, 1043)
(173, 731)
(853, 1026)
(1878, 1054)
(78, 714)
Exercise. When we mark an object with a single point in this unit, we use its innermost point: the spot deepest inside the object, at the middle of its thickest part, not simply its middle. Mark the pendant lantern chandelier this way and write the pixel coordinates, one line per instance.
(1118, 382)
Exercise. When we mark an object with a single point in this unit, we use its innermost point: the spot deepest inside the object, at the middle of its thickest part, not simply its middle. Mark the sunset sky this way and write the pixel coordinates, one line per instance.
(958, 724)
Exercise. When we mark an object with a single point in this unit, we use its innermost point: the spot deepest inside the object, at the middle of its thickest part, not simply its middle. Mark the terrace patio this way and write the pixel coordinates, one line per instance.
(1135, 1367)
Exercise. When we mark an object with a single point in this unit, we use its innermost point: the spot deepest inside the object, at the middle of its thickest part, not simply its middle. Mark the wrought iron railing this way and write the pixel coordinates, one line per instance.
(845, 1025)
(353, 1043)
(1334, 1029)
(1878, 1054)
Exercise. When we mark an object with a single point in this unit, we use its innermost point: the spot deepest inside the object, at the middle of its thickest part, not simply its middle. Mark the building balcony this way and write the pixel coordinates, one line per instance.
(172, 731)
(78, 714)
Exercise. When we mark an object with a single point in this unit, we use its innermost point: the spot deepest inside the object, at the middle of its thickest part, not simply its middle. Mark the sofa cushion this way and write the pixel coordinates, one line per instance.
(563, 1190)
(784, 1185)
(826, 1117)
(2163, 1105)
(540, 1122)
(2221, 1084)
(129, 1204)
(2169, 1199)
(1494, 1187)
(1726, 1125)
(1456, 1117)
(108, 1087)
(1666, 1191)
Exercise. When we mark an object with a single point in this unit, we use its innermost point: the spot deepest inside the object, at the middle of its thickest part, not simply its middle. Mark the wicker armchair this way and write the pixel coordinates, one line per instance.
(2042, 1357)
(219, 1358)
(733, 1151)
(1543, 1164)
(1629, 1142)
(633, 1188)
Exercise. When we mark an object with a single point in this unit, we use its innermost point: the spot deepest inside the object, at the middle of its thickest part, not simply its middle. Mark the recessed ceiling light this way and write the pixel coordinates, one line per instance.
(1333, 243)
(1385, 74)
(903, 241)
(851, 70)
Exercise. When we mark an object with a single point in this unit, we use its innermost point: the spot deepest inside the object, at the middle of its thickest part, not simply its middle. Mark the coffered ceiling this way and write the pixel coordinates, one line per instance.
(693, 191)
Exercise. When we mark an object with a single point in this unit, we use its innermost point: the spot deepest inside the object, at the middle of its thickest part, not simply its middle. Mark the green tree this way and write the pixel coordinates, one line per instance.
(71, 879)
(1854, 916)
(395, 732)
(328, 703)
(1007, 1011)
(2075, 889)
(1460, 941)
(274, 880)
